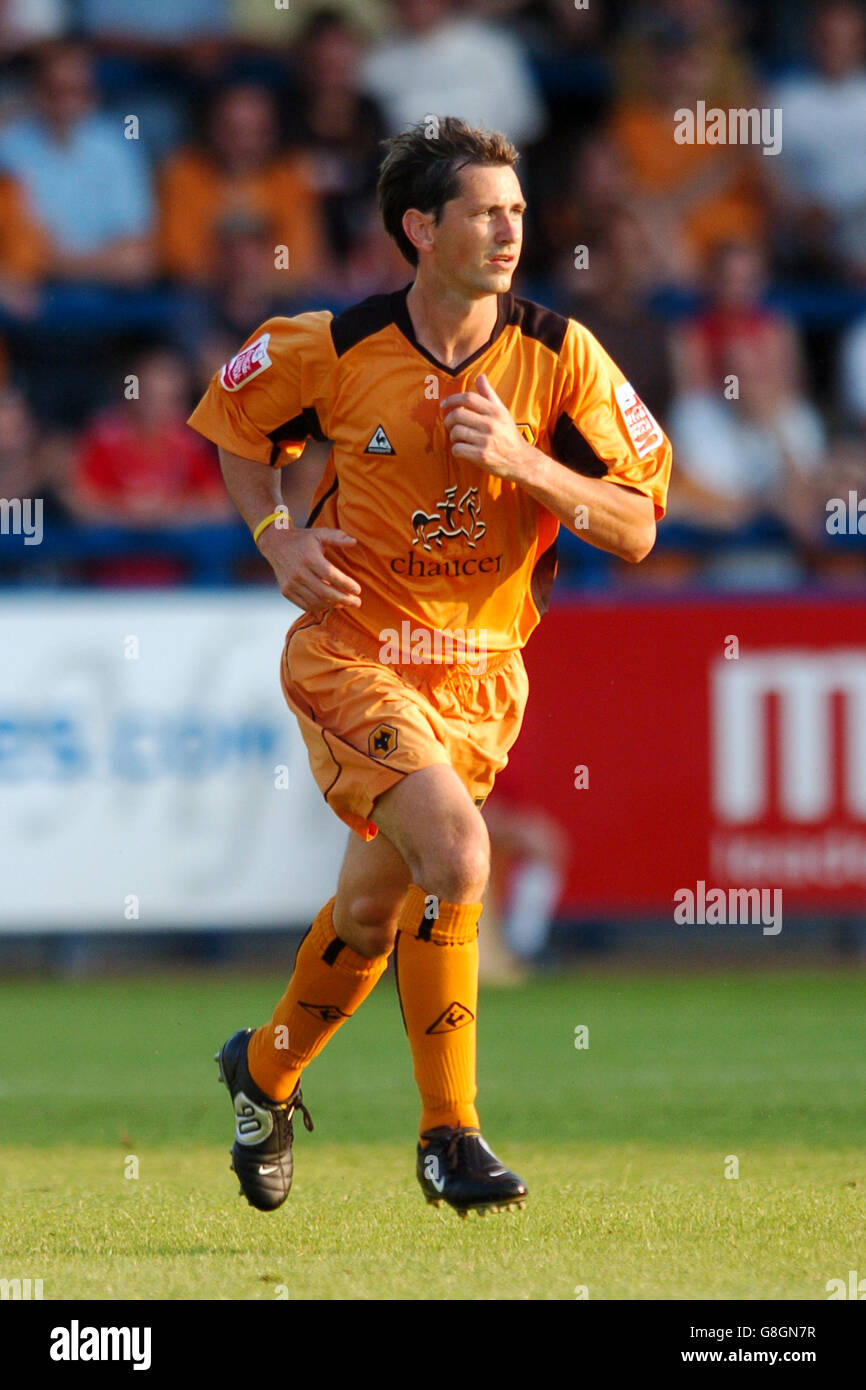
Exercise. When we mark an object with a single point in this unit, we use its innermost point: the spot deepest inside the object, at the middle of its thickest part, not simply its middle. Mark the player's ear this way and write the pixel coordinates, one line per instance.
(418, 227)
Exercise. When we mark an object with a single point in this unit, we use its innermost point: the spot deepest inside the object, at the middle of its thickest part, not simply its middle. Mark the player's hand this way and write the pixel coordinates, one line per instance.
(305, 575)
(483, 431)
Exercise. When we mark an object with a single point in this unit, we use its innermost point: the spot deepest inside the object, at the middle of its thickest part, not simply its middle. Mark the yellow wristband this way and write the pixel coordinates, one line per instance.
(268, 520)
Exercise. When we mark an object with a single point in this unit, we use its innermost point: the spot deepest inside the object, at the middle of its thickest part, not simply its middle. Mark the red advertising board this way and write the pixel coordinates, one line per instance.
(722, 742)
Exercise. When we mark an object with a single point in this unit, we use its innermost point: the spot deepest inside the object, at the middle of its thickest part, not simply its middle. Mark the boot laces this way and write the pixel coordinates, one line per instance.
(456, 1141)
(297, 1103)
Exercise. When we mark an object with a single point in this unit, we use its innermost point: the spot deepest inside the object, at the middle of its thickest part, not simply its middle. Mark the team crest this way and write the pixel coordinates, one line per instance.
(250, 362)
(382, 741)
(451, 518)
(528, 432)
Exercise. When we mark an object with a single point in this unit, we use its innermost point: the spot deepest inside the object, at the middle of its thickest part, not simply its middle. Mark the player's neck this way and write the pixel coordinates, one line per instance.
(447, 324)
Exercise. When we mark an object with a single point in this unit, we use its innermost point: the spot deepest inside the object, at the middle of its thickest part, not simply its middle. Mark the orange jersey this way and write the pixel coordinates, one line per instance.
(196, 197)
(441, 543)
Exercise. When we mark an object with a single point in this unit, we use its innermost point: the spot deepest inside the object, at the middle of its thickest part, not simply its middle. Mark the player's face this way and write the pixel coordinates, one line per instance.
(479, 235)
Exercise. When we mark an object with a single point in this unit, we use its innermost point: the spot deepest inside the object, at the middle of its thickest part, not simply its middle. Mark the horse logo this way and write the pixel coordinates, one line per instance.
(443, 523)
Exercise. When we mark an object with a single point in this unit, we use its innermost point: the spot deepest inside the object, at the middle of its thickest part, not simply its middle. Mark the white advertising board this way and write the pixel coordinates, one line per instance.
(151, 774)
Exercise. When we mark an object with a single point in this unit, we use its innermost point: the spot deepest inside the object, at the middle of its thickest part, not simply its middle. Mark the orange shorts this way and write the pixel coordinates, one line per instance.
(367, 724)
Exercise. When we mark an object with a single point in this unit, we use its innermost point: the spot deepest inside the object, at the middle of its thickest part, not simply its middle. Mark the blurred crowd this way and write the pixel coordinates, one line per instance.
(174, 172)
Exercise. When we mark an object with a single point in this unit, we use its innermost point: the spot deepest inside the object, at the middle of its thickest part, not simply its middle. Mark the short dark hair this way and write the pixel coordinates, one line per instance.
(421, 166)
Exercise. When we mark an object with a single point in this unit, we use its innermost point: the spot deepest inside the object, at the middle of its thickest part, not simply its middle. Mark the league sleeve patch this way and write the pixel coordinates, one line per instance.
(643, 429)
(250, 362)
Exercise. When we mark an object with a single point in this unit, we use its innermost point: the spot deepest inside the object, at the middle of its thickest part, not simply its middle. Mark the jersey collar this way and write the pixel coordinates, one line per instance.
(403, 321)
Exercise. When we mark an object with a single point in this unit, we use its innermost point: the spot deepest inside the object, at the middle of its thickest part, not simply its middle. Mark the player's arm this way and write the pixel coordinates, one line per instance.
(295, 554)
(617, 519)
(259, 410)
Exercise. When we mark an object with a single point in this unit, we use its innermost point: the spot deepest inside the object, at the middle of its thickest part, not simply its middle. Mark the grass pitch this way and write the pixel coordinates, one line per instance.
(625, 1145)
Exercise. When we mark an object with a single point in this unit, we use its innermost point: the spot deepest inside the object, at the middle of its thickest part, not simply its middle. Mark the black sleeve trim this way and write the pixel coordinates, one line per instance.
(535, 321)
(321, 502)
(361, 321)
(543, 576)
(571, 448)
(294, 431)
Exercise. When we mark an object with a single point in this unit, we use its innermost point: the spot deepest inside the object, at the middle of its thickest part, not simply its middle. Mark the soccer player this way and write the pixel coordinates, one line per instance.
(466, 426)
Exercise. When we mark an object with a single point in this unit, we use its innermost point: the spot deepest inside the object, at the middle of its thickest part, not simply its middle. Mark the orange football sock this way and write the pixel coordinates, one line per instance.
(436, 966)
(329, 982)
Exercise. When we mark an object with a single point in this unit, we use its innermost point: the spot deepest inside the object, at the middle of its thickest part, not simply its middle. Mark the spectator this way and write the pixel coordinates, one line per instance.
(23, 22)
(23, 250)
(375, 265)
(750, 470)
(589, 192)
(338, 127)
(265, 24)
(846, 468)
(736, 312)
(852, 373)
(715, 25)
(748, 443)
(836, 559)
(611, 296)
(31, 471)
(20, 474)
(239, 170)
(699, 194)
(156, 21)
(242, 293)
(820, 176)
(87, 185)
(449, 65)
(563, 43)
(140, 465)
(548, 26)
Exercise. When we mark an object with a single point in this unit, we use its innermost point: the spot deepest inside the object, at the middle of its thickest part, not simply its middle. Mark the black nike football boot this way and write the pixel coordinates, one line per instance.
(458, 1167)
(262, 1151)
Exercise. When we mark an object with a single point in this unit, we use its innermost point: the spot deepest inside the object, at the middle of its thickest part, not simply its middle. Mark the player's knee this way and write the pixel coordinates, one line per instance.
(372, 925)
(456, 868)
(374, 941)
(464, 880)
